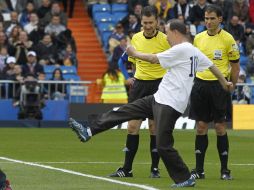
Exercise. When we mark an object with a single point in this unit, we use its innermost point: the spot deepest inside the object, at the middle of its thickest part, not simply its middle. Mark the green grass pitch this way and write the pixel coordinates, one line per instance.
(59, 148)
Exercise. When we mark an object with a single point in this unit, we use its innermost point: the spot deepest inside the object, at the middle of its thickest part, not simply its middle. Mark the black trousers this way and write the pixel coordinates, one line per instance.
(165, 118)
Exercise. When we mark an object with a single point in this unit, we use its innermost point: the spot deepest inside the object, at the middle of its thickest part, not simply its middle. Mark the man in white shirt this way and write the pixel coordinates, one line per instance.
(55, 27)
(33, 24)
(182, 61)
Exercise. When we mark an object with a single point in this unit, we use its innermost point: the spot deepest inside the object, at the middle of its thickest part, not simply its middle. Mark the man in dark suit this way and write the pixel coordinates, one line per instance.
(197, 13)
(32, 66)
(71, 4)
(132, 24)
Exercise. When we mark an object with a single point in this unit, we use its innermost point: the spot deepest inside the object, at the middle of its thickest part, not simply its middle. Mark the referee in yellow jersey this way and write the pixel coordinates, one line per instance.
(147, 79)
(208, 99)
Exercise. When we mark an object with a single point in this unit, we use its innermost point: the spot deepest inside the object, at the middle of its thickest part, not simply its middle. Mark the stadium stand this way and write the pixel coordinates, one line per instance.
(106, 18)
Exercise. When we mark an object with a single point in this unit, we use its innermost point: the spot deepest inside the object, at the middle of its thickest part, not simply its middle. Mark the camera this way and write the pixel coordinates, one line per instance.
(31, 100)
(31, 85)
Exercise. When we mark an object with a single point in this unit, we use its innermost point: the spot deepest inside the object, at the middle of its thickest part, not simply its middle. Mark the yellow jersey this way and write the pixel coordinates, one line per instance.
(221, 49)
(156, 44)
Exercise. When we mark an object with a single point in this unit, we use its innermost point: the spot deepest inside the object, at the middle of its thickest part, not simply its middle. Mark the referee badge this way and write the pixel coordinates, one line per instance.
(235, 47)
(217, 54)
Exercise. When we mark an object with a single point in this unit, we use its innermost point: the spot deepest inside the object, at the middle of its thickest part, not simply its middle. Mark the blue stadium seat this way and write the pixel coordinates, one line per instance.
(103, 17)
(48, 69)
(119, 7)
(100, 8)
(70, 77)
(118, 16)
(48, 76)
(69, 70)
(105, 27)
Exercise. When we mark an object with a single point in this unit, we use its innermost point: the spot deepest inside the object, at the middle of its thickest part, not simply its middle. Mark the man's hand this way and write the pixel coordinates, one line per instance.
(130, 81)
(131, 50)
(229, 87)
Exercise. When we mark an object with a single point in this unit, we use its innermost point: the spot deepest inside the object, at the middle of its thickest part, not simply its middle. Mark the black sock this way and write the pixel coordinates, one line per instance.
(223, 147)
(201, 145)
(154, 153)
(131, 149)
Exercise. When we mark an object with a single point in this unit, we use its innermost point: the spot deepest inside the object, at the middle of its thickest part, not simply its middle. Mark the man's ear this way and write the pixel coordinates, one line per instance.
(220, 19)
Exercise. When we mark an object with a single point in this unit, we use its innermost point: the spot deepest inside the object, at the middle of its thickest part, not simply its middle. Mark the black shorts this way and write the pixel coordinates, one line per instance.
(142, 88)
(209, 101)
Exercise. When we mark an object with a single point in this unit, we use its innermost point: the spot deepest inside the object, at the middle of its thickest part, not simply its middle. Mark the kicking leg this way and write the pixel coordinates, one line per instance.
(139, 109)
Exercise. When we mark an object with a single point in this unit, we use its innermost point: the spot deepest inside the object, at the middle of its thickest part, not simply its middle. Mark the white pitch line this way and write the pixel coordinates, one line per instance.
(233, 164)
(80, 174)
(242, 164)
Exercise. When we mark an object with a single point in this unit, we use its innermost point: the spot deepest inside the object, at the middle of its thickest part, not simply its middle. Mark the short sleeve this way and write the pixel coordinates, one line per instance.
(131, 59)
(233, 50)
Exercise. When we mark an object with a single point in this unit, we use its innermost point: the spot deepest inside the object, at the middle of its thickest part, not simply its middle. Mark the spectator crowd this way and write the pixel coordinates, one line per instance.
(33, 34)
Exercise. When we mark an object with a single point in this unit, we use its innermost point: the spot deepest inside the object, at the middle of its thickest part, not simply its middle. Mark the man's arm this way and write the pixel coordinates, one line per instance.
(228, 86)
(235, 69)
(152, 58)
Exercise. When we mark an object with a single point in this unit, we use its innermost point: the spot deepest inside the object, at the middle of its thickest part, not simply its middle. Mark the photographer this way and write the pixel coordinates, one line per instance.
(29, 99)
